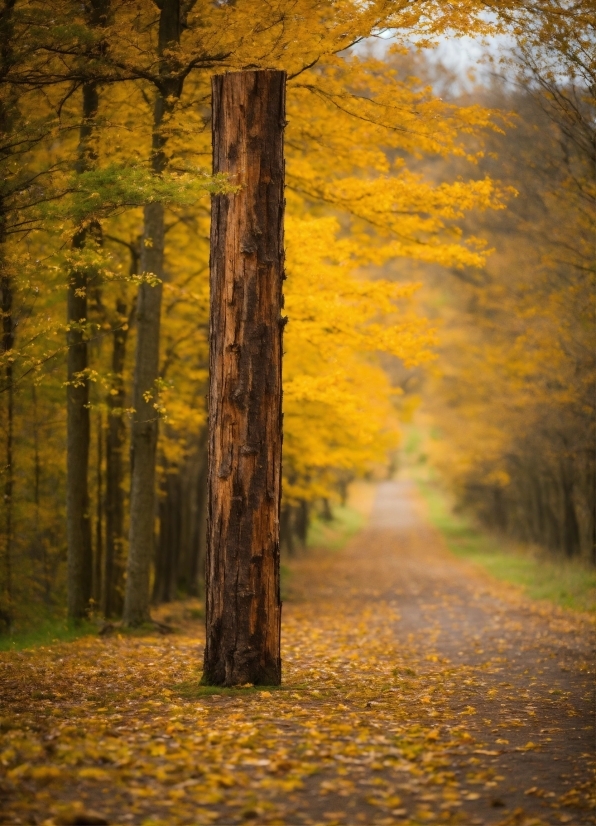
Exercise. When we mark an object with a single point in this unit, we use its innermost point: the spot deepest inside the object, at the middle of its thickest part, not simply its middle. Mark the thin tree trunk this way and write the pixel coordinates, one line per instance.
(144, 428)
(167, 550)
(78, 520)
(302, 522)
(145, 422)
(8, 111)
(99, 554)
(199, 534)
(286, 530)
(39, 540)
(6, 289)
(245, 421)
(186, 500)
(113, 568)
(570, 528)
(161, 556)
(174, 550)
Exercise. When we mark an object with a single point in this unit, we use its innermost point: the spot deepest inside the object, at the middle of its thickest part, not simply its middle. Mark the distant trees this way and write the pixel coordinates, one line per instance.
(516, 405)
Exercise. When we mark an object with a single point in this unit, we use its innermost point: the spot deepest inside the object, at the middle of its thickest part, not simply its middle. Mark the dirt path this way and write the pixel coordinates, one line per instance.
(416, 690)
(525, 672)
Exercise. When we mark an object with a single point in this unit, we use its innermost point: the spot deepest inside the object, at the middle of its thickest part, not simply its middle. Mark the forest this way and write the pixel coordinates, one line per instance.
(438, 260)
(485, 196)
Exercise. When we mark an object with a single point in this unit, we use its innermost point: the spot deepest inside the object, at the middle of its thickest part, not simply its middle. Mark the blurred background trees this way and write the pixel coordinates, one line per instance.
(512, 403)
(387, 173)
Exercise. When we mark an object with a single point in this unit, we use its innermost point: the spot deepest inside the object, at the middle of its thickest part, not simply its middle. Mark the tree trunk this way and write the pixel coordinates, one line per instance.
(144, 427)
(6, 617)
(166, 557)
(145, 421)
(286, 530)
(160, 578)
(41, 546)
(570, 531)
(245, 421)
(302, 522)
(78, 522)
(99, 551)
(199, 538)
(113, 568)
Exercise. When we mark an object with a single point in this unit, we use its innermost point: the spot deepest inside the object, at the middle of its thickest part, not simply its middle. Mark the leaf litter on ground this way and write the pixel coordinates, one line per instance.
(370, 725)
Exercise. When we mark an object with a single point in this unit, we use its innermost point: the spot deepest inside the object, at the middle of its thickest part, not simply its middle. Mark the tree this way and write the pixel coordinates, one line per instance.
(515, 406)
(24, 126)
(78, 516)
(243, 607)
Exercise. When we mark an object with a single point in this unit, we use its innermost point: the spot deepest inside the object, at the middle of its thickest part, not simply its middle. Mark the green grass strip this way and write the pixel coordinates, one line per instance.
(48, 632)
(567, 583)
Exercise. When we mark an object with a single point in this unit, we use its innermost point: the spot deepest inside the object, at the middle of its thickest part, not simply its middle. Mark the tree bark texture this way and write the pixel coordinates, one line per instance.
(243, 606)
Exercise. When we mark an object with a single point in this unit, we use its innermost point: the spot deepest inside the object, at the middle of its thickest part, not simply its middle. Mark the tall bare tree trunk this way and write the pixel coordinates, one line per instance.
(145, 424)
(245, 419)
(113, 567)
(40, 541)
(78, 517)
(196, 573)
(98, 560)
(145, 421)
(6, 296)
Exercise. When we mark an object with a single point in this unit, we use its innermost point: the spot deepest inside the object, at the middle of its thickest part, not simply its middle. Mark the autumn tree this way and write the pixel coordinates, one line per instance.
(148, 318)
(78, 517)
(26, 122)
(515, 405)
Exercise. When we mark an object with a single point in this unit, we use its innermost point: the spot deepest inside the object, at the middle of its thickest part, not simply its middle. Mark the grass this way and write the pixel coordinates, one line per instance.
(47, 633)
(567, 583)
(330, 534)
(194, 689)
(335, 533)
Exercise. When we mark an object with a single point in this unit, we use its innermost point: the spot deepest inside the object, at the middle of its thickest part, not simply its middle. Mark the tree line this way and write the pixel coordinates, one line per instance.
(514, 405)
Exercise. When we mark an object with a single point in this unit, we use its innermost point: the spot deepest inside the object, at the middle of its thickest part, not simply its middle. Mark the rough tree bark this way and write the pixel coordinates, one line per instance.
(243, 609)
(145, 421)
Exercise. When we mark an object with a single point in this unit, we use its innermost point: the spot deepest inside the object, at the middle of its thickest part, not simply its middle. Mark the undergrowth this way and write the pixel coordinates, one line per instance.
(47, 632)
(567, 583)
(333, 534)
